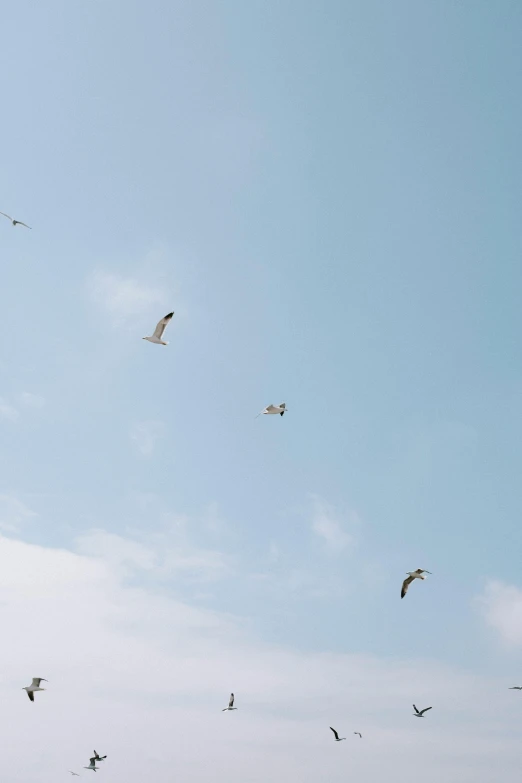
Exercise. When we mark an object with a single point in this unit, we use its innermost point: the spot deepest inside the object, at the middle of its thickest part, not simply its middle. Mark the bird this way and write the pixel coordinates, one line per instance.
(516, 688)
(418, 574)
(230, 704)
(420, 713)
(92, 764)
(359, 733)
(337, 737)
(34, 686)
(14, 222)
(98, 757)
(281, 408)
(74, 773)
(158, 331)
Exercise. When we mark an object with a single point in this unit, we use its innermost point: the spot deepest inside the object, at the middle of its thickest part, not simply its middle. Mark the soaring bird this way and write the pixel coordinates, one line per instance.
(14, 222)
(92, 764)
(158, 331)
(418, 574)
(359, 733)
(515, 688)
(337, 737)
(34, 686)
(230, 704)
(74, 773)
(97, 757)
(420, 713)
(272, 409)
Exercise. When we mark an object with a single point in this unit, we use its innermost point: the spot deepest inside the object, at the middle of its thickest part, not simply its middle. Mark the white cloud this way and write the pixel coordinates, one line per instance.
(327, 525)
(7, 411)
(13, 513)
(501, 607)
(32, 400)
(125, 298)
(139, 669)
(145, 434)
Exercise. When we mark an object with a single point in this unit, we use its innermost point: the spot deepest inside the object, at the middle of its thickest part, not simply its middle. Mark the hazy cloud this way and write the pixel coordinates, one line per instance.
(327, 524)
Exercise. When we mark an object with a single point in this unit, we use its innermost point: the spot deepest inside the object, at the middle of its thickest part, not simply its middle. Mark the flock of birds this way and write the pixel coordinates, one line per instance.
(157, 338)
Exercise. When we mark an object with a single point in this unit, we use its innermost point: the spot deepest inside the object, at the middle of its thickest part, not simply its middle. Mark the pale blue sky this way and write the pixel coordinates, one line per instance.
(328, 195)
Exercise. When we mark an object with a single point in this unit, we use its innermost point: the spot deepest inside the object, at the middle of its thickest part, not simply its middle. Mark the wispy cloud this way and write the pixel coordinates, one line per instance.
(124, 298)
(145, 434)
(13, 513)
(501, 607)
(7, 411)
(328, 526)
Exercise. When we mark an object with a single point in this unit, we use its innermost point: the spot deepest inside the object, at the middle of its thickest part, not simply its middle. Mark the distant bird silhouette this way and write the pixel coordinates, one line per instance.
(98, 757)
(92, 764)
(34, 686)
(337, 737)
(420, 713)
(418, 574)
(14, 222)
(158, 331)
(230, 704)
(359, 733)
(515, 688)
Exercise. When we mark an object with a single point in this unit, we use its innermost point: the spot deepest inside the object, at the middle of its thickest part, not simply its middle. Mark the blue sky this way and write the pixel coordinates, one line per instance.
(327, 194)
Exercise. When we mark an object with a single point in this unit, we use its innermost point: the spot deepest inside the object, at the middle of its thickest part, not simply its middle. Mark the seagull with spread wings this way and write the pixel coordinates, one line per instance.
(337, 737)
(230, 704)
(273, 409)
(97, 757)
(92, 764)
(13, 221)
(420, 713)
(34, 686)
(418, 574)
(158, 331)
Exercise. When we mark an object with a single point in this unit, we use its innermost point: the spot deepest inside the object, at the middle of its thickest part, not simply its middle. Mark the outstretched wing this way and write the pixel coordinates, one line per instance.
(7, 216)
(37, 681)
(231, 702)
(31, 695)
(334, 731)
(415, 708)
(19, 223)
(407, 582)
(160, 328)
(425, 710)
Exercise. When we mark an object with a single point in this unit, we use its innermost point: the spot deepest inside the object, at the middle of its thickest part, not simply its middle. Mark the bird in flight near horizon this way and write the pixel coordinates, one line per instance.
(13, 221)
(337, 737)
(420, 713)
(418, 574)
(158, 331)
(34, 686)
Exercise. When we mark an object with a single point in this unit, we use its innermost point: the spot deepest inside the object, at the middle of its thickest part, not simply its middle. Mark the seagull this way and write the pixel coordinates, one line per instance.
(74, 773)
(158, 331)
(92, 765)
(34, 686)
(418, 574)
(281, 408)
(420, 713)
(98, 757)
(230, 704)
(15, 222)
(359, 733)
(337, 737)
(515, 688)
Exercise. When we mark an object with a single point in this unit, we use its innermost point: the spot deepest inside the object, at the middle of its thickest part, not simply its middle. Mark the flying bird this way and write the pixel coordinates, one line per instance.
(337, 737)
(34, 686)
(158, 331)
(230, 704)
(359, 733)
(97, 757)
(281, 408)
(418, 574)
(14, 222)
(516, 688)
(74, 773)
(420, 713)
(92, 764)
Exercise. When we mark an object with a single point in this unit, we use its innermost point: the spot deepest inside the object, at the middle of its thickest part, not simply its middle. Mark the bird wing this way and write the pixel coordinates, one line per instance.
(334, 731)
(407, 582)
(92, 761)
(282, 404)
(160, 328)
(425, 710)
(19, 223)
(231, 702)
(37, 681)
(31, 695)
(7, 216)
(415, 708)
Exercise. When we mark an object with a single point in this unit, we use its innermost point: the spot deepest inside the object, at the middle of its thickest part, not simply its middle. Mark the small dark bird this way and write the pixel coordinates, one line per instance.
(337, 737)
(98, 758)
(420, 713)
(516, 688)
(15, 222)
(359, 733)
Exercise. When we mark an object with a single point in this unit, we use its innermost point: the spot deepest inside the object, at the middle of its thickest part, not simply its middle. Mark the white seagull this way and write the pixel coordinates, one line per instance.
(34, 686)
(516, 688)
(97, 757)
(337, 737)
(359, 733)
(230, 704)
(281, 408)
(14, 222)
(420, 713)
(158, 331)
(92, 765)
(418, 574)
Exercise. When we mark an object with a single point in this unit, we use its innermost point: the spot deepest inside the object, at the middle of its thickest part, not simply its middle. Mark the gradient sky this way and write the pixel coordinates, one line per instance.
(328, 195)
